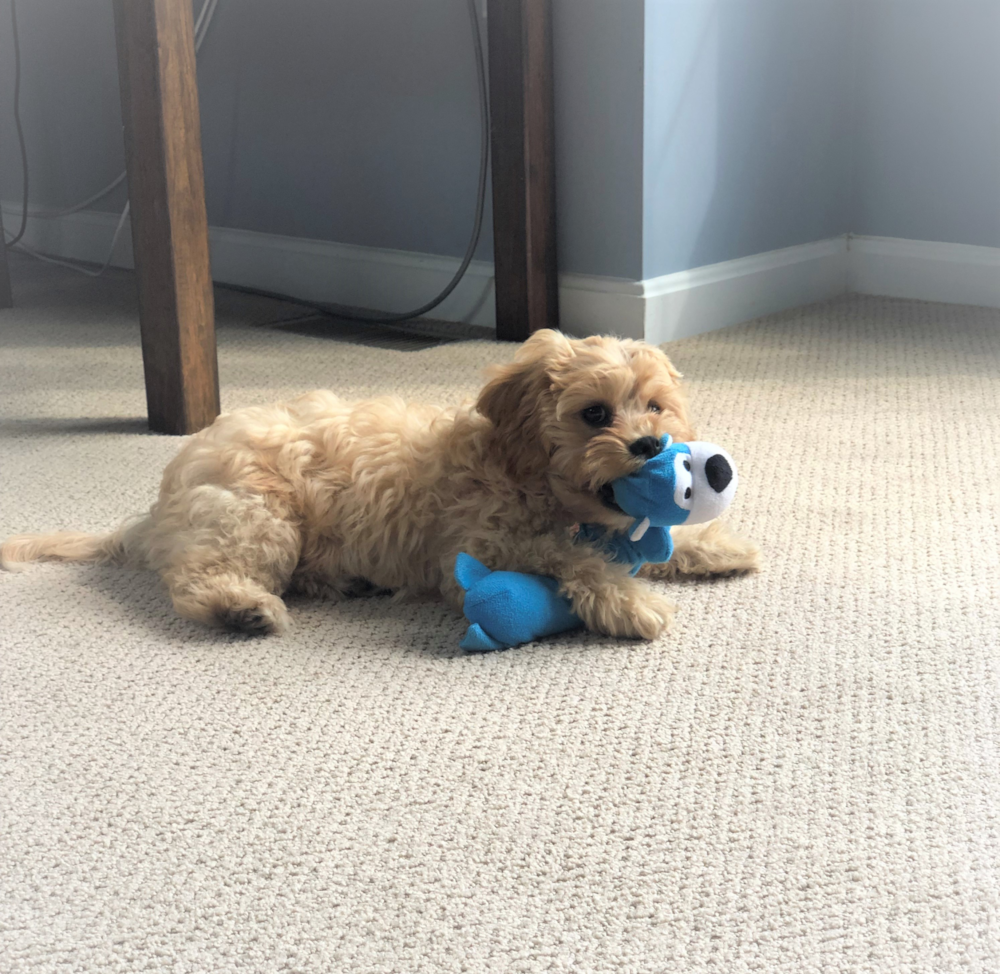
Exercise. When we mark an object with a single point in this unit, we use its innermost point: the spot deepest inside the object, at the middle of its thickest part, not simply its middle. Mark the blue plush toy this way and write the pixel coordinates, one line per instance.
(685, 483)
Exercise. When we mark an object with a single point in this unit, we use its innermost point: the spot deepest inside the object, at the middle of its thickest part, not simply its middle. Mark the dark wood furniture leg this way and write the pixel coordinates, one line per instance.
(156, 67)
(524, 224)
(6, 298)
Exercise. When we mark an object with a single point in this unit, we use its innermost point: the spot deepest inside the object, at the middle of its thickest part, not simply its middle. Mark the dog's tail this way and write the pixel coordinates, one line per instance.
(122, 547)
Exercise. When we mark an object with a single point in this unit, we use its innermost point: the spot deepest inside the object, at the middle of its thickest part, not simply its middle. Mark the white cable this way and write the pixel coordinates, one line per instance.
(198, 22)
(53, 214)
(201, 26)
(76, 267)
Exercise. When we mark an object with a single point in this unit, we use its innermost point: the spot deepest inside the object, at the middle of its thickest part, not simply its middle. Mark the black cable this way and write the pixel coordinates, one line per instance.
(375, 317)
(351, 315)
(17, 121)
(484, 153)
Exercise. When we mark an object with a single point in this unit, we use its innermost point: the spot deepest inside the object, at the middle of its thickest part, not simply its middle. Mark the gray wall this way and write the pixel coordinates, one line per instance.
(598, 63)
(69, 101)
(347, 120)
(747, 128)
(688, 131)
(928, 125)
(778, 122)
(353, 121)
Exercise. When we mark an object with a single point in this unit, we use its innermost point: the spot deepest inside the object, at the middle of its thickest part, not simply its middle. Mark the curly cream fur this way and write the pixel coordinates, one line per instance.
(332, 497)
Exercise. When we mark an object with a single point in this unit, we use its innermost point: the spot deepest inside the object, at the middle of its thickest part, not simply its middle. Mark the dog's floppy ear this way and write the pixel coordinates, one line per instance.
(510, 387)
(515, 395)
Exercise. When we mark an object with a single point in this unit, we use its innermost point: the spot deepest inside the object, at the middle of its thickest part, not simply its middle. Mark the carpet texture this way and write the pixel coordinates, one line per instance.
(803, 776)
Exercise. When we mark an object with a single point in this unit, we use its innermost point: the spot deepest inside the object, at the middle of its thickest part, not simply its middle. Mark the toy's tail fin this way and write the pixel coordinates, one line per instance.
(478, 640)
(468, 571)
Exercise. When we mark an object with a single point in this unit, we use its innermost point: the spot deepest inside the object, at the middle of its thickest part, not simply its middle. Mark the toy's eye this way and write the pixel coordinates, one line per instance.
(597, 415)
(654, 406)
(683, 482)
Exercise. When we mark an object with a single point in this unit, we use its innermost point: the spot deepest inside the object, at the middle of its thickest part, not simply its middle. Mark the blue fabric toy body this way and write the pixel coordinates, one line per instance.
(509, 608)
(655, 545)
(685, 483)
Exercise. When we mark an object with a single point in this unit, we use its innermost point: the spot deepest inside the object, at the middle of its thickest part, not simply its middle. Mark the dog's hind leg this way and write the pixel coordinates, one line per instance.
(228, 561)
(230, 601)
(325, 571)
(335, 588)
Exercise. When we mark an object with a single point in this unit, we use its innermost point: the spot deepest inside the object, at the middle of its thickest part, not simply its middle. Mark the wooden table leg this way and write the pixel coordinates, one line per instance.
(524, 224)
(6, 298)
(159, 93)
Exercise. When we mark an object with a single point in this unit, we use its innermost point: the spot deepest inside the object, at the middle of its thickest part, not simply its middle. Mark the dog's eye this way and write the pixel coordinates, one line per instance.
(654, 407)
(597, 415)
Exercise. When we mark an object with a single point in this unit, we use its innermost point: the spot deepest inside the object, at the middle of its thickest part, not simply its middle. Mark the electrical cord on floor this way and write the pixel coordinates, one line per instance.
(200, 30)
(17, 123)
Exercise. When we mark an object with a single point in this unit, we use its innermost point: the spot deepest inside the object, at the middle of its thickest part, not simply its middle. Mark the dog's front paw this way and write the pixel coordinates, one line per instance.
(649, 615)
(710, 550)
(629, 610)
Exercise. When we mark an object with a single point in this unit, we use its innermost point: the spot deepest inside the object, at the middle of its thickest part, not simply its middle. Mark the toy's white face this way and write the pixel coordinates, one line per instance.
(711, 479)
(686, 483)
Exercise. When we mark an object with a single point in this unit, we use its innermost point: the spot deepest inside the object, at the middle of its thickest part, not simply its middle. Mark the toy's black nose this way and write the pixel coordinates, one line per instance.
(647, 447)
(718, 472)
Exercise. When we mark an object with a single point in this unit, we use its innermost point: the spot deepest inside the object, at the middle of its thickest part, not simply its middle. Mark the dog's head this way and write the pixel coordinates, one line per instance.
(580, 413)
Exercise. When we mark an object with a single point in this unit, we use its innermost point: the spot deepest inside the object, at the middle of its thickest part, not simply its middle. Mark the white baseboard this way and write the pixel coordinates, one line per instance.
(80, 236)
(367, 277)
(347, 274)
(718, 295)
(658, 309)
(316, 270)
(924, 270)
(592, 305)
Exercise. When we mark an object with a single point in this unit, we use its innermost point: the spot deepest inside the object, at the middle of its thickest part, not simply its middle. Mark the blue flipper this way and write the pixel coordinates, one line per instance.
(476, 640)
(468, 571)
(509, 608)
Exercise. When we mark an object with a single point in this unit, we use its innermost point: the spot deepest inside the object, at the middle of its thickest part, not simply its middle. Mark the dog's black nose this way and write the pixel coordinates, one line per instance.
(647, 447)
(718, 472)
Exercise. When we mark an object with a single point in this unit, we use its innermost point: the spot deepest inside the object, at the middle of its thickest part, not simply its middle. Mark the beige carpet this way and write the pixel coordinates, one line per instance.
(803, 777)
